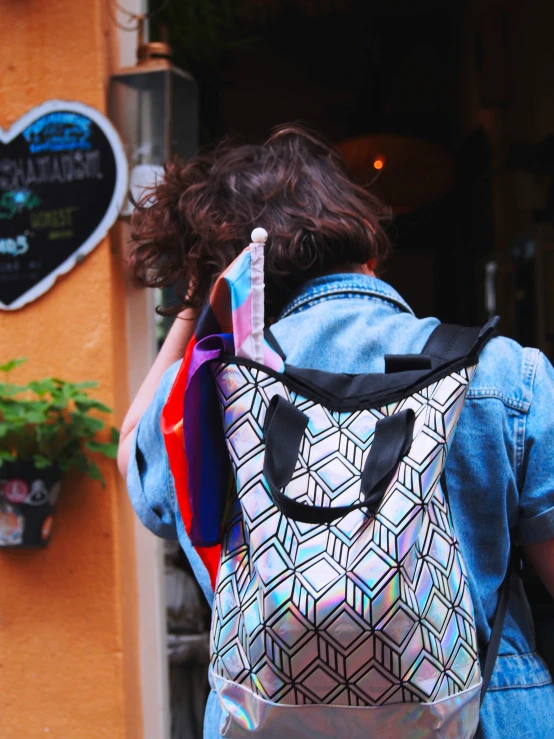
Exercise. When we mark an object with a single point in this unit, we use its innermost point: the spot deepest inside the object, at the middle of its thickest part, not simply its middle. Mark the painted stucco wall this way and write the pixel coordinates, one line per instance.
(68, 652)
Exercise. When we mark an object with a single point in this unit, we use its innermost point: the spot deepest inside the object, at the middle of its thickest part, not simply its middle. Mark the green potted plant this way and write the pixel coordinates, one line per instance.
(47, 427)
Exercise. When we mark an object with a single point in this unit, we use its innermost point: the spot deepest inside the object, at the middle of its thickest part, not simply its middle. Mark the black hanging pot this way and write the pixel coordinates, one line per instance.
(28, 497)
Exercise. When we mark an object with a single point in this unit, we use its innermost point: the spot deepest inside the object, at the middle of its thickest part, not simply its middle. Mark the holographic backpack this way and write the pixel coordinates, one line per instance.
(341, 607)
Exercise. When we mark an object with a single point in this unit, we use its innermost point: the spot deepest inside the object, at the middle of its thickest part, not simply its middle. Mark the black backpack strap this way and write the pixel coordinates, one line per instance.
(449, 342)
(273, 343)
(491, 652)
(446, 343)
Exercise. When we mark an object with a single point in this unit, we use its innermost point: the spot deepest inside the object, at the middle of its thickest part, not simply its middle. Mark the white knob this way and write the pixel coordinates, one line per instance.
(259, 236)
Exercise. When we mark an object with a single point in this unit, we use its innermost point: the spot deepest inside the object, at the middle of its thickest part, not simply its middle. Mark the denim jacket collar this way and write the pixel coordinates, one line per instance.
(350, 283)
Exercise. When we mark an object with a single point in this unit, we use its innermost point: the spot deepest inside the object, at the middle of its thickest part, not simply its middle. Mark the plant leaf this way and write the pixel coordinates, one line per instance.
(12, 364)
(84, 404)
(65, 464)
(94, 473)
(35, 417)
(108, 450)
(86, 424)
(41, 462)
(41, 387)
(7, 389)
(81, 463)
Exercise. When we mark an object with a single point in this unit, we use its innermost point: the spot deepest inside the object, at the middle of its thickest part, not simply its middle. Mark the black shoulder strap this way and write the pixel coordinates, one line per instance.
(491, 652)
(273, 343)
(448, 342)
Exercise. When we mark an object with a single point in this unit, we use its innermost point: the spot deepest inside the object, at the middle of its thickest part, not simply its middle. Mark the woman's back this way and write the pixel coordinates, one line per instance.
(347, 323)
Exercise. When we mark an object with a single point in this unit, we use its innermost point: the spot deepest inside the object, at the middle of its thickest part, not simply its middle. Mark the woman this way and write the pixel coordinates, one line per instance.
(330, 311)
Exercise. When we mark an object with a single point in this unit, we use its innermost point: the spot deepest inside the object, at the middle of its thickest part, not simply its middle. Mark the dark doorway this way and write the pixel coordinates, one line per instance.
(347, 70)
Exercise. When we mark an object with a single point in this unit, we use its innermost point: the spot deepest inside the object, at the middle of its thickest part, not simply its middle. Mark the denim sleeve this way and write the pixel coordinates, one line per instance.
(536, 522)
(149, 479)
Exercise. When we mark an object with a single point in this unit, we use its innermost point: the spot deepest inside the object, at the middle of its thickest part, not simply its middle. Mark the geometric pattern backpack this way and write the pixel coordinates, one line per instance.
(342, 607)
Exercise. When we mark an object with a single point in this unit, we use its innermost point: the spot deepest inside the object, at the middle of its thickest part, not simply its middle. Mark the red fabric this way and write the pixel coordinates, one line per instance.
(172, 430)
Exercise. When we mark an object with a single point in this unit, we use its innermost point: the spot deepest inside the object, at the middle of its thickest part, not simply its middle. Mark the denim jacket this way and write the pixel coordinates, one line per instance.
(500, 470)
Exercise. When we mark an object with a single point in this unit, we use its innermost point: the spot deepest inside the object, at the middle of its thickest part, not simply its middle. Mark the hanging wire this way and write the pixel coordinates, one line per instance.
(120, 25)
(135, 16)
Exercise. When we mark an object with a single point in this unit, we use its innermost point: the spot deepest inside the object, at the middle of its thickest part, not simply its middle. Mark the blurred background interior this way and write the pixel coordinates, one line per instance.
(443, 108)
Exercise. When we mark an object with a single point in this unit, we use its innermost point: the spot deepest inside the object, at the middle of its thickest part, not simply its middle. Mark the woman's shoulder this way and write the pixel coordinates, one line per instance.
(506, 371)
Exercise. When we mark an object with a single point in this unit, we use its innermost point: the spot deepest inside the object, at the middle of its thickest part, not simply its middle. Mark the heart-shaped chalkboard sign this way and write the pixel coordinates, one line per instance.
(63, 181)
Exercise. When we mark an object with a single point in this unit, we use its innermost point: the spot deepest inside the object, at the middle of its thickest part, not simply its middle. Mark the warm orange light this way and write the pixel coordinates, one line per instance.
(378, 163)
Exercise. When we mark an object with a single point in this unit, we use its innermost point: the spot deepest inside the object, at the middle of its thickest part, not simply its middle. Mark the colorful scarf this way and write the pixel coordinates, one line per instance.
(232, 323)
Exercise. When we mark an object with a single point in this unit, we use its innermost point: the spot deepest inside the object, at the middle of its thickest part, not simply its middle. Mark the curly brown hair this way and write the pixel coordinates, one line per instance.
(296, 186)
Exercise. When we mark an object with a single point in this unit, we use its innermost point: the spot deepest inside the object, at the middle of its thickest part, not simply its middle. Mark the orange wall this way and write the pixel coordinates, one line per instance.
(68, 666)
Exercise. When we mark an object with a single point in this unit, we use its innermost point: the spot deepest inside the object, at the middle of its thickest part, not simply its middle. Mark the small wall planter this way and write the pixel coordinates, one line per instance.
(28, 497)
(47, 427)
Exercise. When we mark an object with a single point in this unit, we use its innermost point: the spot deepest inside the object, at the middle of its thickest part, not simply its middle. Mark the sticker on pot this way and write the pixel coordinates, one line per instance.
(39, 493)
(47, 528)
(16, 491)
(12, 526)
(63, 182)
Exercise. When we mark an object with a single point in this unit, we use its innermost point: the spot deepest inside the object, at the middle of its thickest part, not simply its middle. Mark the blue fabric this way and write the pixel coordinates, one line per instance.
(500, 469)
